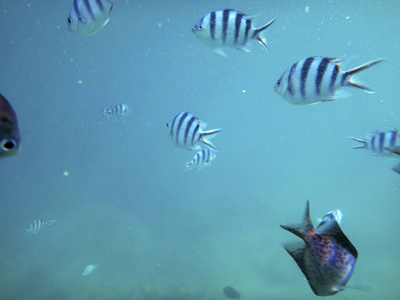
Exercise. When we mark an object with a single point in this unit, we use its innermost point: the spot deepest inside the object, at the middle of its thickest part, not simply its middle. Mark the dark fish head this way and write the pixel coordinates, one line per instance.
(231, 293)
(327, 260)
(9, 132)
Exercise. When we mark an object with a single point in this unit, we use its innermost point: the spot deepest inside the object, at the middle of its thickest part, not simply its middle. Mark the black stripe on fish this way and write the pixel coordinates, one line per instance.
(212, 25)
(178, 129)
(77, 11)
(304, 74)
(100, 5)
(334, 75)
(373, 143)
(289, 87)
(196, 129)
(320, 73)
(393, 138)
(381, 140)
(188, 126)
(89, 9)
(225, 20)
(238, 22)
(246, 32)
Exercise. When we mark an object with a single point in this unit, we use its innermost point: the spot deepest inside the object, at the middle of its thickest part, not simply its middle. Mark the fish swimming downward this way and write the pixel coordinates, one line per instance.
(186, 131)
(228, 28)
(317, 79)
(380, 142)
(10, 141)
(87, 17)
(117, 112)
(201, 159)
(332, 216)
(37, 225)
(327, 260)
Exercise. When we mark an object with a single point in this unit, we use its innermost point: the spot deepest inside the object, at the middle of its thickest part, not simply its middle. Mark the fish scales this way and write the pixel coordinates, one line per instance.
(327, 260)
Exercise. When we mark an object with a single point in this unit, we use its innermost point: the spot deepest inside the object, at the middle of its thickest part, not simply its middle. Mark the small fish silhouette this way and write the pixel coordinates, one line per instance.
(89, 270)
(327, 260)
(230, 292)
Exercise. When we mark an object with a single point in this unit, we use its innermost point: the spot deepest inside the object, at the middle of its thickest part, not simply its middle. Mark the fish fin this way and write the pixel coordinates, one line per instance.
(244, 49)
(333, 230)
(346, 79)
(296, 250)
(301, 229)
(206, 135)
(362, 141)
(394, 149)
(220, 52)
(396, 168)
(257, 34)
(189, 166)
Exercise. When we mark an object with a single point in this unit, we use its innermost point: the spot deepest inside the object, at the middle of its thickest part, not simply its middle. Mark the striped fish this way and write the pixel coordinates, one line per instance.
(317, 79)
(186, 131)
(10, 140)
(37, 225)
(86, 17)
(200, 160)
(116, 112)
(380, 142)
(332, 216)
(327, 260)
(228, 28)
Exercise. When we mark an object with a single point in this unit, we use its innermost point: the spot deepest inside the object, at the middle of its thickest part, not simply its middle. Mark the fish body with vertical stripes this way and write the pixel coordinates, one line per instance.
(117, 112)
(228, 28)
(317, 79)
(327, 259)
(380, 142)
(37, 225)
(187, 132)
(201, 159)
(87, 17)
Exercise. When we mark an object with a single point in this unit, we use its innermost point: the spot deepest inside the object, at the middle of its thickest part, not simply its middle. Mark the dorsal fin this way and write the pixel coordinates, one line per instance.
(334, 231)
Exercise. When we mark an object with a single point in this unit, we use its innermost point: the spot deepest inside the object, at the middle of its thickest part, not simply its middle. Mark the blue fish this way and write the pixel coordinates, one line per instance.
(327, 260)
(380, 142)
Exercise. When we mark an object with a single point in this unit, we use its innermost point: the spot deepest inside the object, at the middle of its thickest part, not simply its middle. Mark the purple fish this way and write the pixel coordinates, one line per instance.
(327, 260)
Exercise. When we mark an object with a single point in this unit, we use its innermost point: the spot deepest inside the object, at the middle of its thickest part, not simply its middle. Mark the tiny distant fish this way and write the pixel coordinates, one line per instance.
(117, 112)
(10, 141)
(230, 292)
(200, 160)
(396, 168)
(327, 260)
(380, 142)
(186, 131)
(317, 79)
(89, 269)
(89, 16)
(228, 28)
(37, 225)
(334, 215)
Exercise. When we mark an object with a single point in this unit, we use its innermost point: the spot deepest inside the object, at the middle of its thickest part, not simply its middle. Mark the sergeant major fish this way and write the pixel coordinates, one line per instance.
(87, 17)
(379, 142)
(334, 215)
(327, 260)
(116, 112)
(228, 28)
(186, 131)
(200, 160)
(317, 79)
(37, 225)
(10, 141)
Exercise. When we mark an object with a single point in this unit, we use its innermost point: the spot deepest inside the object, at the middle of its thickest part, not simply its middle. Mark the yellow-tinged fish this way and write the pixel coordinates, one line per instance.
(10, 141)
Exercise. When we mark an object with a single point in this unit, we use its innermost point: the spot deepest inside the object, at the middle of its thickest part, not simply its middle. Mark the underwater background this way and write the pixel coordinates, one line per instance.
(118, 189)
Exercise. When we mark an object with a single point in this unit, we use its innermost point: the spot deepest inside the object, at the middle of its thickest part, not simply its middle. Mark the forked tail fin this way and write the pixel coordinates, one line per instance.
(364, 143)
(207, 135)
(257, 34)
(346, 78)
(301, 229)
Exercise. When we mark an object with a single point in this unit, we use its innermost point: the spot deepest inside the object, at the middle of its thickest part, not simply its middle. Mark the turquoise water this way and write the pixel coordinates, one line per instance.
(127, 205)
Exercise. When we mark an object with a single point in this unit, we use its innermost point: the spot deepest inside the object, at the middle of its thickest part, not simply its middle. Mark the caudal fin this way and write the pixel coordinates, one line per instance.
(207, 135)
(301, 229)
(257, 34)
(346, 78)
(364, 143)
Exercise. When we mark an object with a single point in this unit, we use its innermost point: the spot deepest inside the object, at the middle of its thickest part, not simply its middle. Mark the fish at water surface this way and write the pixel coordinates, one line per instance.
(317, 79)
(87, 17)
(228, 28)
(10, 141)
(327, 260)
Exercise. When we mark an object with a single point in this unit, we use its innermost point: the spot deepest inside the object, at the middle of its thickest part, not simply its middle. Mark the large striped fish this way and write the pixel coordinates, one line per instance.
(317, 79)
(10, 141)
(327, 260)
(186, 131)
(228, 28)
(89, 16)
(380, 142)
(201, 159)
(37, 225)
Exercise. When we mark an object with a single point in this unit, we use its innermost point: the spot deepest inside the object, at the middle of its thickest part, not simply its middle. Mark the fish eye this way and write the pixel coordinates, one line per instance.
(200, 27)
(8, 145)
(278, 83)
(69, 20)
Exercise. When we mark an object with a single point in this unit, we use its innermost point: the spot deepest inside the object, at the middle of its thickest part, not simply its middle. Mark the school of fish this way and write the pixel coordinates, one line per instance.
(325, 255)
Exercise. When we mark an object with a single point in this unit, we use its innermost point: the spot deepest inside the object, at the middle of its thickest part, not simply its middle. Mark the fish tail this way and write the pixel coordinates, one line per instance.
(301, 229)
(257, 34)
(207, 135)
(346, 78)
(189, 166)
(364, 143)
